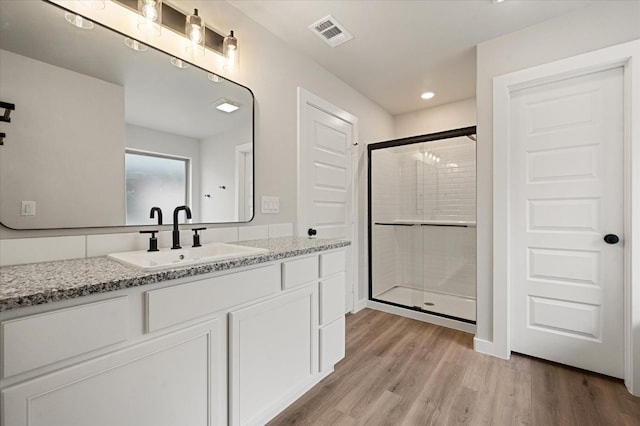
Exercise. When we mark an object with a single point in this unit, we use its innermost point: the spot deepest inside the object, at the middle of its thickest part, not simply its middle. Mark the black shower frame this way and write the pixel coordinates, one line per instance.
(431, 137)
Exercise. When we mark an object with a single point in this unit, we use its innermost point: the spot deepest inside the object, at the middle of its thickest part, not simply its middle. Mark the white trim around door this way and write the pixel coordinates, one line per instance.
(306, 98)
(626, 56)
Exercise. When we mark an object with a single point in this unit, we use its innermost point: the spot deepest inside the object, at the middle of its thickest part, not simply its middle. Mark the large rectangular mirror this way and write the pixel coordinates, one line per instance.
(105, 128)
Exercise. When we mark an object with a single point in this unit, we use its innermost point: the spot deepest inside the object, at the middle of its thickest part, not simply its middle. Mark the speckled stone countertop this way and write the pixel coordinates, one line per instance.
(38, 283)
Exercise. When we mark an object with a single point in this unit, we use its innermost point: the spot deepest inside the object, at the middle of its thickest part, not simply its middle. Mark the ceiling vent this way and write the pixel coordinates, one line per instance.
(331, 31)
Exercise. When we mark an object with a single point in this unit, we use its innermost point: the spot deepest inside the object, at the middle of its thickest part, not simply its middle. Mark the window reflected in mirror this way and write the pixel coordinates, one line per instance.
(155, 180)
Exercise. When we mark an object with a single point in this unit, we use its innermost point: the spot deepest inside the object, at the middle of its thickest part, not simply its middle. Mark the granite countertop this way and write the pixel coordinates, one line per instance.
(38, 283)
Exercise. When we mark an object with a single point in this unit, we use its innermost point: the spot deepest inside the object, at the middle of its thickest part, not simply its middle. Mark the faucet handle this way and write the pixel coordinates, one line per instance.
(196, 236)
(153, 241)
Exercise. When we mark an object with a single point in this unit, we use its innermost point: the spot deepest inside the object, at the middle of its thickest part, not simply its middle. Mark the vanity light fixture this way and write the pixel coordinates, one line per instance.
(230, 51)
(226, 105)
(78, 21)
(179, 63)
(194, 30)
(427, 95)
(150, 20)
(135, 45)
(155, 14)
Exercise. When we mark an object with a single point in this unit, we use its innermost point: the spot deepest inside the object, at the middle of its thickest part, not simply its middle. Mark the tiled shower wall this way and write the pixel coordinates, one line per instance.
(440, 182)
(384, 207)
(438, 186)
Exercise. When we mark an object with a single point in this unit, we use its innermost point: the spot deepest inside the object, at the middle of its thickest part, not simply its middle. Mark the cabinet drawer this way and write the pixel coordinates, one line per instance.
(332, 298)
(332, 342)
(173, 305)
(299, 271)
(332, 263)
(43, 339)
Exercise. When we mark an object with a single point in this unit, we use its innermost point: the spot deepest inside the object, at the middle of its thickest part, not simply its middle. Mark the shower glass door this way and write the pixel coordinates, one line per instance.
(422, 223)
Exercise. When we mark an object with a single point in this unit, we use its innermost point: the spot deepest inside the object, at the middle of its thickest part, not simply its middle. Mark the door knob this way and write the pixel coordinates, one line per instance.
(611, 239)
(311, 232)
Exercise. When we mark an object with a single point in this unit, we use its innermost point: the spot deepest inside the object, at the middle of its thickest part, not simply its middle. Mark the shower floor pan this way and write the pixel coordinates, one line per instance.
(446, 304)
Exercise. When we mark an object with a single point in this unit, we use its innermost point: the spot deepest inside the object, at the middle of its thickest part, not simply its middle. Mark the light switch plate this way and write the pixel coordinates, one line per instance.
(270, 205)
(28, 208)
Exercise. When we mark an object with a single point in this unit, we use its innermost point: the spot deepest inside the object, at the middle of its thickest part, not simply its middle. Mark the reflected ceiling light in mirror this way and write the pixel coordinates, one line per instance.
(179, 63)
(150, 16)
(78, 21)
(230, 52)
(135, 45)
(226, 105)
(194, 30)
(213, 77)
(427, 95)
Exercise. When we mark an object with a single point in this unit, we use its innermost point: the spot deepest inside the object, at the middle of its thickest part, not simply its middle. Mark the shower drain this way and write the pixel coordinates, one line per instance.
(429, 303)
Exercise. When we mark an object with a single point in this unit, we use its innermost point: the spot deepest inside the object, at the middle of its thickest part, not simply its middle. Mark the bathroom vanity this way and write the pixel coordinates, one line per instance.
(95, 342)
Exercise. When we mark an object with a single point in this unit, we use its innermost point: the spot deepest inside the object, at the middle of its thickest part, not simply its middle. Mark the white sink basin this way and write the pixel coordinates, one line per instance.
(168, 259)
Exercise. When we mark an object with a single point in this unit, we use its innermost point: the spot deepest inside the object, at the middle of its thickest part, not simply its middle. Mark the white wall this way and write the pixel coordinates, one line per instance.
(53, 111)
(156, 141)
(600, 25)
(450, 116)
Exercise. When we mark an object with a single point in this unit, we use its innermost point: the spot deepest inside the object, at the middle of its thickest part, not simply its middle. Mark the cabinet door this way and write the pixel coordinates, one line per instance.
(273, 355)
(171, 380)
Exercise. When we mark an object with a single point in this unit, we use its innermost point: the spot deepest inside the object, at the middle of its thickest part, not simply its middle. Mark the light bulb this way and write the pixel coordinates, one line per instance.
(151, 16)
(196, 34)
(194, 30)
(149, 11)
(230, 51)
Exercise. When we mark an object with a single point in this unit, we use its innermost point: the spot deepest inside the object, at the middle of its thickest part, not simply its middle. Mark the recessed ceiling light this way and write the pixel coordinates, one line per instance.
(427, 95)
(78, 21)
(135, 44)
(179, 63)
(226, 105)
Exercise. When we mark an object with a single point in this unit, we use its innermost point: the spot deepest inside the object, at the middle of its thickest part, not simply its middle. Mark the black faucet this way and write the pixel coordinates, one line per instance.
(155, 210)
(176, 231)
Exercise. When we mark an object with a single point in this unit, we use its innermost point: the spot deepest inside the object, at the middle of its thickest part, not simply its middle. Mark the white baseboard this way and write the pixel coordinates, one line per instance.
(483, 346)
(360, 305)
(421, 316)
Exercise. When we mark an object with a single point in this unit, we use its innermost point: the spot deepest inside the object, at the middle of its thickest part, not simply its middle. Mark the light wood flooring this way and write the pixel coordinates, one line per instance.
(399, 371)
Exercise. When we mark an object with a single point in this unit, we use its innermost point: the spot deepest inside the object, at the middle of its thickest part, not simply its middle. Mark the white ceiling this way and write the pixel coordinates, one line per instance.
(403, 48)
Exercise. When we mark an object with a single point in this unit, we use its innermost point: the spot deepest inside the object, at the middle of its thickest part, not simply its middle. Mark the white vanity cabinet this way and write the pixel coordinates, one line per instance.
(233, 347)
(272, 355)
(166, 381)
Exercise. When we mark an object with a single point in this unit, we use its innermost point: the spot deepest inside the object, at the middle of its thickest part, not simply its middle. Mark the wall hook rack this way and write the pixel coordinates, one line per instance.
(7, 111)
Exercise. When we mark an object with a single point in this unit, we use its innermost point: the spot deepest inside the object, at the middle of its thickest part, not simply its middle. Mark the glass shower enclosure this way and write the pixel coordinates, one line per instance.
(422, 227)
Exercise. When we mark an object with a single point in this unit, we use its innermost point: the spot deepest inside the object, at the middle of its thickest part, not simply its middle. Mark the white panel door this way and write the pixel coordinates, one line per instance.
(566, 162)
(325, 186)
(327, 171)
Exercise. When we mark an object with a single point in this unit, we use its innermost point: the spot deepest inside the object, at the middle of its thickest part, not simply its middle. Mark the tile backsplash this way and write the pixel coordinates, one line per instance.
(44, 249)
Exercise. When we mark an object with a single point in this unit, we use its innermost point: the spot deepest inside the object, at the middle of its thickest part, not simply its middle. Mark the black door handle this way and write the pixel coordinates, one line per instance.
(311, 232)
(611, 239)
